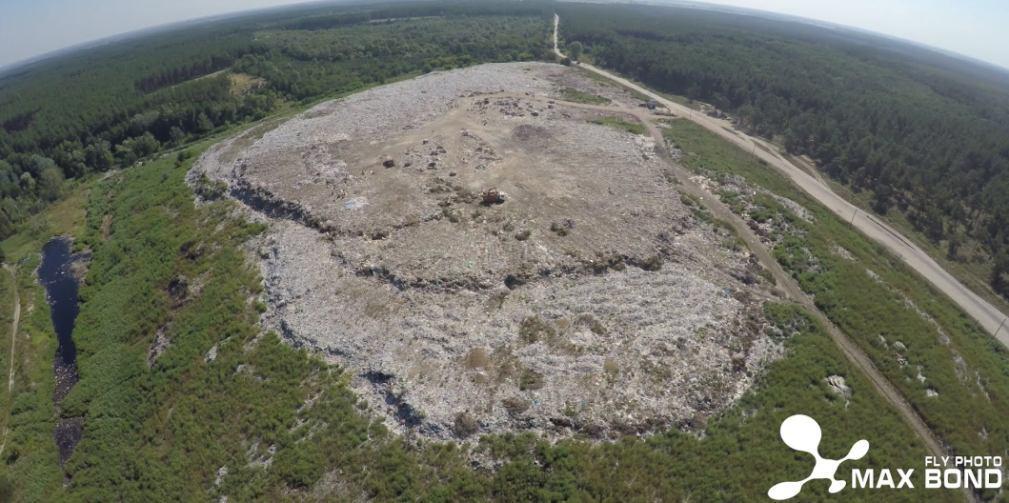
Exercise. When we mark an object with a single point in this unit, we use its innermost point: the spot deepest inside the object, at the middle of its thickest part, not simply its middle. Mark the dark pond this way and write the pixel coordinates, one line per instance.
(56, 274)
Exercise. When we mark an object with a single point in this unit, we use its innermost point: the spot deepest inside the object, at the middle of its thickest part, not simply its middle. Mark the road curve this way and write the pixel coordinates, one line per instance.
(989, 317)
(787, 285)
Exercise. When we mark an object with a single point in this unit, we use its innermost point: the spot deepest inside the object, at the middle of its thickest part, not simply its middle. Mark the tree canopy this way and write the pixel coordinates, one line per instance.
(923, 134)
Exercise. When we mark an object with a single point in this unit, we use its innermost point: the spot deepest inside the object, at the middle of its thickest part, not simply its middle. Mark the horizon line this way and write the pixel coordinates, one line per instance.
(690, 4)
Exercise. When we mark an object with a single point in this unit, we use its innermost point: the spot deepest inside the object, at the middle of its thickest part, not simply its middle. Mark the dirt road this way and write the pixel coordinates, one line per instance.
(14, 326)
(14, 335)
(790, 288)
(990, 318)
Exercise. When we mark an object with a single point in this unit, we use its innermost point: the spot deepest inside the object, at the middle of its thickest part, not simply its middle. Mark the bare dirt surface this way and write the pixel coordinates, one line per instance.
(483, 257)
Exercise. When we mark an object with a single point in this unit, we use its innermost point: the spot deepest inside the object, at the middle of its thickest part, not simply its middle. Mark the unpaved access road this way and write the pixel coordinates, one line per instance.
(790, 288)
(14, 326)
(989, 317)
(14, 336)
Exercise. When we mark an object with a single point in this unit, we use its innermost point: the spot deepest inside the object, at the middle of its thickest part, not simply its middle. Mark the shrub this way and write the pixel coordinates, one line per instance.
(465, 425)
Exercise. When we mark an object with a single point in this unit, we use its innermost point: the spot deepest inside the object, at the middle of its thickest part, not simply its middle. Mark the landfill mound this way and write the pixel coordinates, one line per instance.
(484, 256)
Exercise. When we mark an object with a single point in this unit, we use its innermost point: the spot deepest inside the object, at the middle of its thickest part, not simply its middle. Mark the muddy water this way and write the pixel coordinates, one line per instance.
(56, 275)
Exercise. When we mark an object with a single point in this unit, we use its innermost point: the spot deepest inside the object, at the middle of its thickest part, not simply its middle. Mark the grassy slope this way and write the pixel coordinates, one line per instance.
(164, 432)
(973, 272)
(968, 373)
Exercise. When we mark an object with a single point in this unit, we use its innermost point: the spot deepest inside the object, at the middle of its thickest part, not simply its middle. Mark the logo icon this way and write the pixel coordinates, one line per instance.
(802, 433)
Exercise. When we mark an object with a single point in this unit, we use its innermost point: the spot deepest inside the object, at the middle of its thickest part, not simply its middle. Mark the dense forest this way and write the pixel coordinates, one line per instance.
(111, 106)
(926, 134)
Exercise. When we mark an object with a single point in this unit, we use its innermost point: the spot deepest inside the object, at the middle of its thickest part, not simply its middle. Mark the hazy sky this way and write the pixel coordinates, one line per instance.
(978, 28)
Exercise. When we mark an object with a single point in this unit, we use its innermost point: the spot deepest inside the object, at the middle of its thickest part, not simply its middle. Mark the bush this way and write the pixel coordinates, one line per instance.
(300, 465)
(465, 425)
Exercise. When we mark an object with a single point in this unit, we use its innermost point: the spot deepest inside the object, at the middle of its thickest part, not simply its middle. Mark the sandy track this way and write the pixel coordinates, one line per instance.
(989, 317)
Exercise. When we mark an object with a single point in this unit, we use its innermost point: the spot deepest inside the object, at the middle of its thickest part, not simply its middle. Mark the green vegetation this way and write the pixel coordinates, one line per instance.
(621, 124)
(576, 96)
(575, 50)
(959, 258)
(306, 64)
(29, 465)
(164, 431)
(160, 425)
(914, 335)
(6, 312)
(923, 134)
(130, 100)
(740, 455)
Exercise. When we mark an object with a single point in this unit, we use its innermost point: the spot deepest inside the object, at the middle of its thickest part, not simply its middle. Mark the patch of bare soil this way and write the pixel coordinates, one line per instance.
(483, 258)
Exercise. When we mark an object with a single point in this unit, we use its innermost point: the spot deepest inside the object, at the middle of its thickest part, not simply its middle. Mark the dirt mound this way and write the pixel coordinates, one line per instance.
(483, 257)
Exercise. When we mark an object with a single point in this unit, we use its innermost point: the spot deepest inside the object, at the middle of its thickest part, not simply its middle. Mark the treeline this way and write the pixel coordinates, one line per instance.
(927, 135)
(422, 9)
(85, 113)
(304, 64)
(30, 178)
(111, 106)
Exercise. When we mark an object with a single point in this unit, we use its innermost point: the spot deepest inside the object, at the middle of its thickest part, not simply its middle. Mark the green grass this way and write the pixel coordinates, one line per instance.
(30, 463)
(163, 432)
(576, 96)
(64, 217)
(971, 406)
(621, 124)
(682, 100)
(6, 317)
(973, 271)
